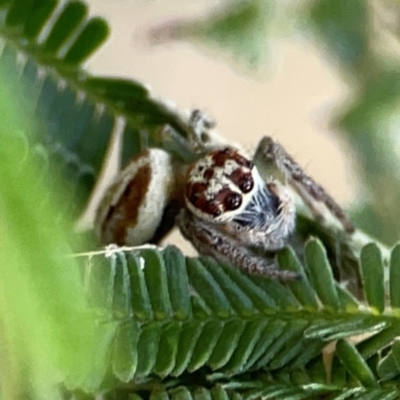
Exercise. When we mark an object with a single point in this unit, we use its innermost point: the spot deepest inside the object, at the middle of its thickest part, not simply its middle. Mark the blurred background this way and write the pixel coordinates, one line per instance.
(321, 77)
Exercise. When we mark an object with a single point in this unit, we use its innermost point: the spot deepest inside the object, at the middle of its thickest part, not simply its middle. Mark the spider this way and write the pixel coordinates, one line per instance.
(220, 202)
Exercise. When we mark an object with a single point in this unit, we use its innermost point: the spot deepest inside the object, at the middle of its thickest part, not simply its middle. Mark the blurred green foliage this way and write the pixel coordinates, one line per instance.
(48, 334)
(351, 32)
(238, 26)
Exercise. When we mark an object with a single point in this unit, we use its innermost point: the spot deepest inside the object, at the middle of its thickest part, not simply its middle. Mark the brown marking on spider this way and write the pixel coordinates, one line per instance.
(220, 157)
(125, 212)
(195, 194)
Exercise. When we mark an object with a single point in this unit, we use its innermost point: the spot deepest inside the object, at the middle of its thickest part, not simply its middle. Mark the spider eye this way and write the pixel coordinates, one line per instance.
(233, 201)
(217, 212)
(246, 184)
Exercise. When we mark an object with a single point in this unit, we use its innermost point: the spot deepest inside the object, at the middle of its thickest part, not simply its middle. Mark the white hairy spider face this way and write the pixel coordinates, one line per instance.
(225, 187)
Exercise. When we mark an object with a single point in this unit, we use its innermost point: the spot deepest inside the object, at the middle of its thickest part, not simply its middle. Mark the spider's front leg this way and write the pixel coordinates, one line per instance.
(199, 128)
(211, 241)
(308, 189)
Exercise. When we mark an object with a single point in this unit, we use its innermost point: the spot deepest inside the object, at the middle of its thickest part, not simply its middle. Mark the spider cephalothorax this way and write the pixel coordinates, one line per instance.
(220, 202)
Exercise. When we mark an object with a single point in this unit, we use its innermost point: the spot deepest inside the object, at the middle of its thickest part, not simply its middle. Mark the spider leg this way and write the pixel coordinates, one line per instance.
(209, 241)
(307, 188)
(199, 126)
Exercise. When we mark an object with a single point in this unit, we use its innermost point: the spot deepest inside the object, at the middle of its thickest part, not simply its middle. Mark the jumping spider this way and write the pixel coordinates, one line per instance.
(220, 202)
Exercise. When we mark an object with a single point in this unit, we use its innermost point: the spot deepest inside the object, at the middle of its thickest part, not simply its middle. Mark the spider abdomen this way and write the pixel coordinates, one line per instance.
(133, 207)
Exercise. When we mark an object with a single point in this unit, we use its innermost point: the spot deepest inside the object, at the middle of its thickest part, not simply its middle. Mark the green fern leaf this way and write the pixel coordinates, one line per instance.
(245, 324)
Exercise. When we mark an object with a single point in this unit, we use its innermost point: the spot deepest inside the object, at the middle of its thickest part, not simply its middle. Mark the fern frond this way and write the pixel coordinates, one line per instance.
(192, 319)
(274, 391)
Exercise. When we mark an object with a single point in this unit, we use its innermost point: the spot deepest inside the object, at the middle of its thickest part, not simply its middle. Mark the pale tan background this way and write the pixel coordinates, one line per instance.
(292, 98)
